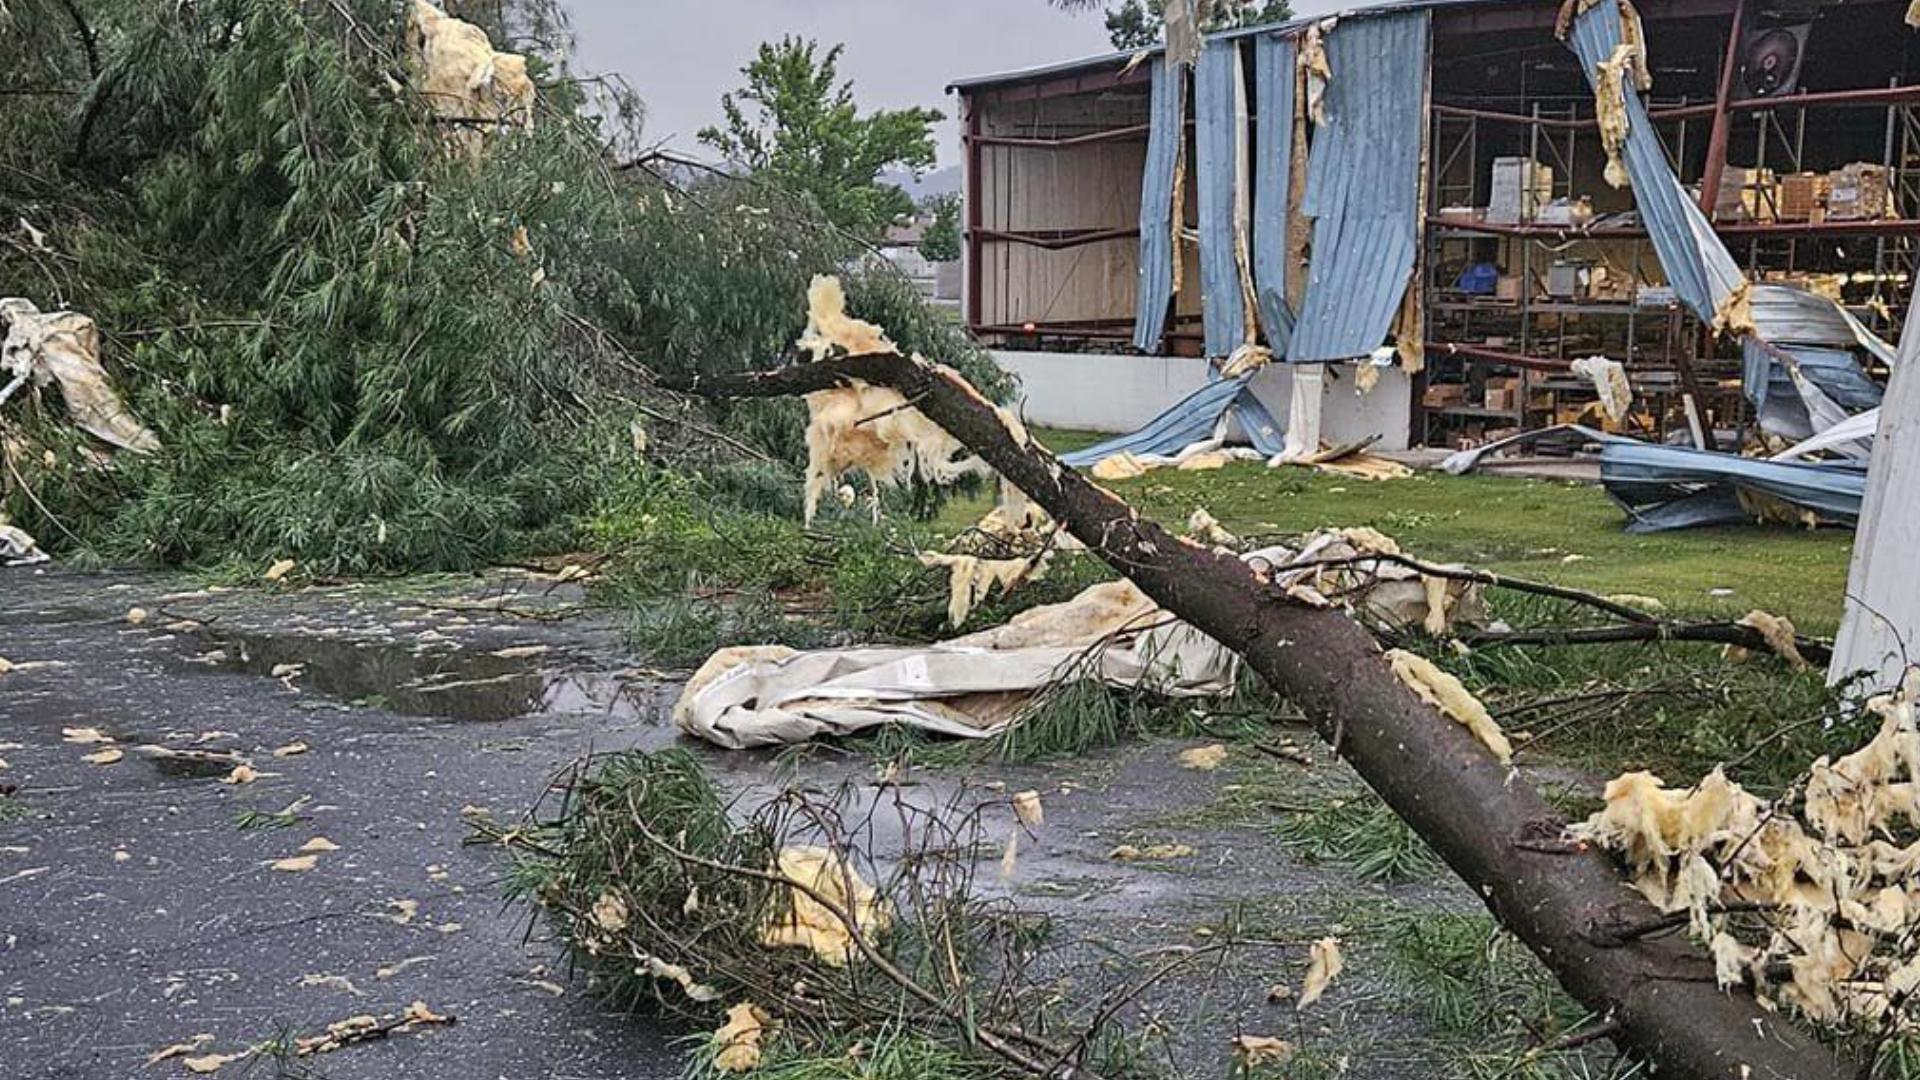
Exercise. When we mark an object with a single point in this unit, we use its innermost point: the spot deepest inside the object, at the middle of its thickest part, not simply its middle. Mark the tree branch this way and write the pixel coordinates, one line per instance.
(1434, 774)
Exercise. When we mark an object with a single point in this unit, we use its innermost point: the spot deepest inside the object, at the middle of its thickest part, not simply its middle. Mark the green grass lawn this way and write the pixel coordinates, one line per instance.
(1567, 533)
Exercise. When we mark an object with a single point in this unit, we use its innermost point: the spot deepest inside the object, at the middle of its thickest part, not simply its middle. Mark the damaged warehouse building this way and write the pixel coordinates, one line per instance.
(1683, 226)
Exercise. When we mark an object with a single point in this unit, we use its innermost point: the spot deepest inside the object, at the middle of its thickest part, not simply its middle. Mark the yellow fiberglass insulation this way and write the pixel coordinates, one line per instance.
(1610, 102)
(806, 922)
(1780, 635)
(871, 429)
(1837, 897)
(465, 82)
(1450, 696)
(972, 579)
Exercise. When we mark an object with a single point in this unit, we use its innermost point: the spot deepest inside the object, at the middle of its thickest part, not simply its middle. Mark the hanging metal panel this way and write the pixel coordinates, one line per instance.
(1363, 186)
(1220, 159)
(1274, 80)
(1168, 115)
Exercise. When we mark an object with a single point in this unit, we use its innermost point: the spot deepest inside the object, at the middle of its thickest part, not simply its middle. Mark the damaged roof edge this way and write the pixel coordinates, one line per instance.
(1103, 60)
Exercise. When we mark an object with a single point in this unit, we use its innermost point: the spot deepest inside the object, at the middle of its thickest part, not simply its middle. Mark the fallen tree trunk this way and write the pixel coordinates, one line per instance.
(1567, 903)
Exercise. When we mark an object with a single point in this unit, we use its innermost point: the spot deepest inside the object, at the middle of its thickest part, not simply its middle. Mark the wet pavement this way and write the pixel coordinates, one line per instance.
(140, 904)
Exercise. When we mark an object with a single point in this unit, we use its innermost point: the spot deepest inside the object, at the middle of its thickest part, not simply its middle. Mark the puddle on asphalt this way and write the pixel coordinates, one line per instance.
(451, 685)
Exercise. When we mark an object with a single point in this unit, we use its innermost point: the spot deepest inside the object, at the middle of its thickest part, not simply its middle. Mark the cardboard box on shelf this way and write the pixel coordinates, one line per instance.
(1860, 191)
(1500, 399)
(1507, 288)
(1747, 195)
(1442, 395)
(1521, 186)
(1803, 196)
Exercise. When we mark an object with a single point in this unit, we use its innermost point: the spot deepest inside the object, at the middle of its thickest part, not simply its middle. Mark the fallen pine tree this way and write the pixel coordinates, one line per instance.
(1396, 725)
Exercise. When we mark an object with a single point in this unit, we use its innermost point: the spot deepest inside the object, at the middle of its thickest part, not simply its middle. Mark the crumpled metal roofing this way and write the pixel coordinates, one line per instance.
(1677, 487)
(1274, 78)
(1220, 147)
(1167, 113)
(1192, 419)
(1703, 275)
(1363, 187)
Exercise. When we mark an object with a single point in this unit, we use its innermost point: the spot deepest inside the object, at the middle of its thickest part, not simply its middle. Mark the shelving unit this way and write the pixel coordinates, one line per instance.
(1527, 341)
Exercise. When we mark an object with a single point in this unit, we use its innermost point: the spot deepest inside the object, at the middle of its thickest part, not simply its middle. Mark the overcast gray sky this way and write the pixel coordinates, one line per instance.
(680, 55)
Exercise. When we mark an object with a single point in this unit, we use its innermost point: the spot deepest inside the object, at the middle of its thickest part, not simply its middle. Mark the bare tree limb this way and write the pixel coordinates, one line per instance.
(1434, 774)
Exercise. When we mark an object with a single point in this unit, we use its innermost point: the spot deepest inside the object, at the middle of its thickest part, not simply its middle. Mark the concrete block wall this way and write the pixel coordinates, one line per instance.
(1116, 393)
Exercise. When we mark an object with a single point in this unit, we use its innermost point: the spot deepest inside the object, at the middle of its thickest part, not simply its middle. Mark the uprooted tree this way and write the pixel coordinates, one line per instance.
(1611, 948)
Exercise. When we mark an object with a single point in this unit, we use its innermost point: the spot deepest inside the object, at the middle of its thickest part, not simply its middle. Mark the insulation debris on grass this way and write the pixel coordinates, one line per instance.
(63, 348)
(1386, 593)
(1121, 466)
(737, 1043)
(871, 429)
(1205, 528)
(1446, 693)
(806, 922)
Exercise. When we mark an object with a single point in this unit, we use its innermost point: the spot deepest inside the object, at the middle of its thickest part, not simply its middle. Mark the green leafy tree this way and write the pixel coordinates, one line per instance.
(795, 124)
(1138, 24)
(941, 243)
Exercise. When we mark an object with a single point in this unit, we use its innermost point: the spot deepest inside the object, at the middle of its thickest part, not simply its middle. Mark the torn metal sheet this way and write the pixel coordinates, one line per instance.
(63, 348)
(1274, 79)
(1676, 487)
(1206, 414)
(969, 687)
(1220, 160)
(1703, 275)
(1165, 139)
(1363, 187)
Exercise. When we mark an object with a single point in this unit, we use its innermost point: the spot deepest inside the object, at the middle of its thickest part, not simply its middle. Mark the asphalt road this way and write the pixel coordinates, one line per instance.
(136, 912)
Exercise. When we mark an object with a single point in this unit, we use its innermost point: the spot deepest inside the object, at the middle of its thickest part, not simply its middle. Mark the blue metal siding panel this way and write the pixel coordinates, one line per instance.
(1186, 422)
(1698, 267)
(1168, 111)
(1363, 187)
(1219, 101)
(1274, 77)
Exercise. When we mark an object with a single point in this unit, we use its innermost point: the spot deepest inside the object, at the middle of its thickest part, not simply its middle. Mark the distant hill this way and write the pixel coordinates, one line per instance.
(938, 182)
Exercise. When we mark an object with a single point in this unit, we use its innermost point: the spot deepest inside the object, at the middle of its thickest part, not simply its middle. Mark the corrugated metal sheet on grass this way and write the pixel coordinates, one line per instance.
(1168, 132)
(1698, 267)
(1676, 487)
(1363, 186)
(1273, 88)
(1220, 160)
(1191, 419)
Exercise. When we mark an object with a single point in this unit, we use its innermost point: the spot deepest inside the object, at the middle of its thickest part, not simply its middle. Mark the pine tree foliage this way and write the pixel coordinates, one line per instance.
(360, 350)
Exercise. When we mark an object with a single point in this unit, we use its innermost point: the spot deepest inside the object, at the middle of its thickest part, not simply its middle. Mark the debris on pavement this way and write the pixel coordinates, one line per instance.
(18, 547)
(808, 923)
(1324, 965)
(972, 686)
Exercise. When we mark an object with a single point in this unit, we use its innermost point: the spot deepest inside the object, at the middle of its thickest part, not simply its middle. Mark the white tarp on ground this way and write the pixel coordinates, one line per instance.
(975, 686)
(971, 686)
(63, 347)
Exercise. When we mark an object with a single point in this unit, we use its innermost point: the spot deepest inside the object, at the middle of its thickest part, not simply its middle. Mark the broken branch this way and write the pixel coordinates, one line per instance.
(1430, 770)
